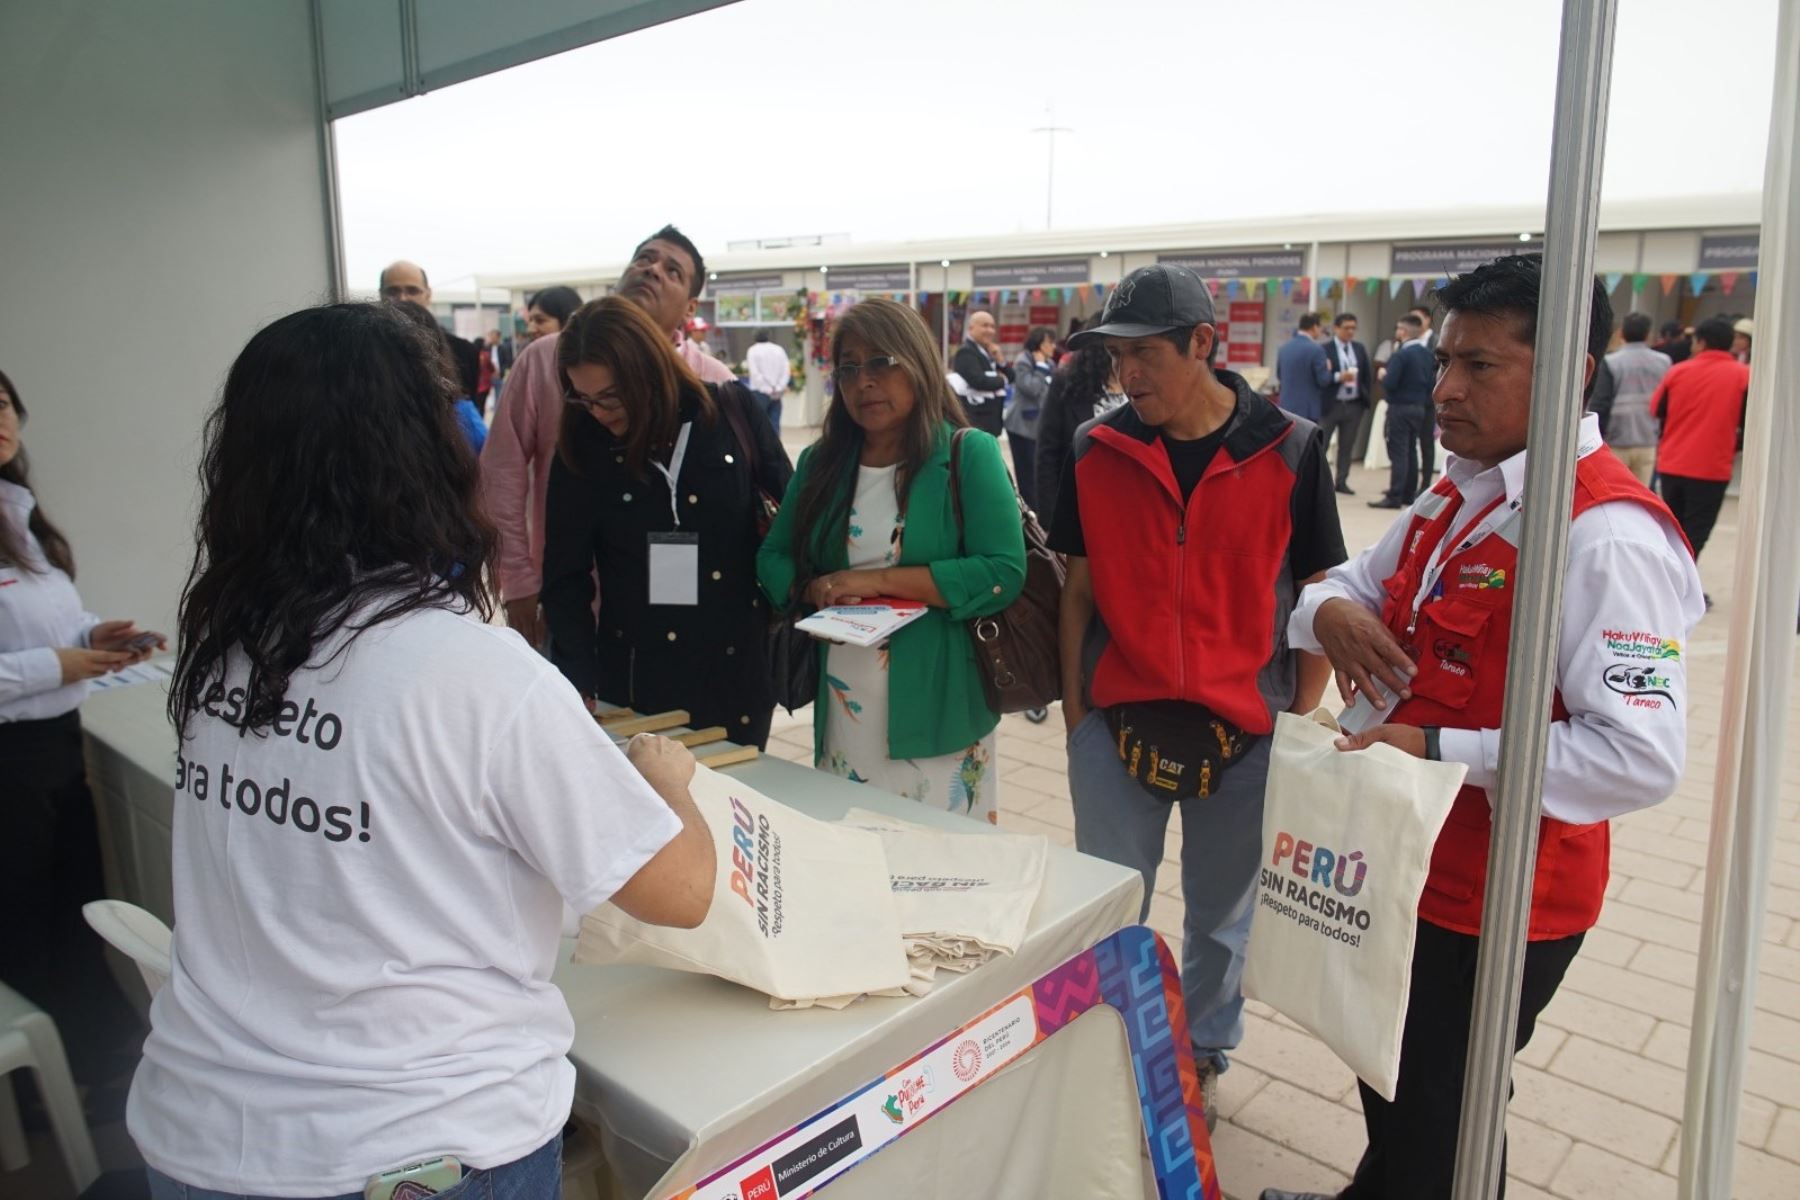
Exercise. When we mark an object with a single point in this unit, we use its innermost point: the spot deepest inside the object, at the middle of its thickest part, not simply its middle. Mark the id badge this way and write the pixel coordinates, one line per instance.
(675, 568)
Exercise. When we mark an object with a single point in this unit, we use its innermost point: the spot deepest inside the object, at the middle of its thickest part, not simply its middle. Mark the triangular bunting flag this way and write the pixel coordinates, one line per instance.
(1231, 289)
(1287, 287)
(1753, 279)
(1394, 286)
(1698, 279)
(1372, 286)
(1099, 290)
(1326, 284)
(1639, 282)
(1350, 282)
(1612, 281)
(1669, 282)
(1727, 281)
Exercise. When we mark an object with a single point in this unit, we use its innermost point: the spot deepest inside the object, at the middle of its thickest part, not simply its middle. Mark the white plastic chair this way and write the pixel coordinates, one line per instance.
(28, 1039)
(135, 933)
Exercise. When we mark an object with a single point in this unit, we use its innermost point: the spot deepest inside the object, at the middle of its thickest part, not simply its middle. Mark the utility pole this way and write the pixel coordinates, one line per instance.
(1052, 129)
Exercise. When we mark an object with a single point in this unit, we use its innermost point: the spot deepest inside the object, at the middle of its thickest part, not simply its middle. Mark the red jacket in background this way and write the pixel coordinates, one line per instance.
(1701, 405)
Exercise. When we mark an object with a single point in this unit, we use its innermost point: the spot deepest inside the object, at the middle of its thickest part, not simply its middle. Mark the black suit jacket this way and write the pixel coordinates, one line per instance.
(1364, 376)
(981, 373)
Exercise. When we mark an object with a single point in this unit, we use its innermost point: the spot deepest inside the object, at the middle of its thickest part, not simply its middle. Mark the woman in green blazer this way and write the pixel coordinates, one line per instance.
(869, 513)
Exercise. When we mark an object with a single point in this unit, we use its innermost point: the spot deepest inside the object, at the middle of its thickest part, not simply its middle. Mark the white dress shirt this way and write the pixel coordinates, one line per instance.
(1346, 361)
(1631, 591)
(40, 613)
(769, 368)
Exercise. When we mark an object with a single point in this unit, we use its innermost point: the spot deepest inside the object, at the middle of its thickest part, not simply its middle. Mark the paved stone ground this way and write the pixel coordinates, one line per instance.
(1600, 1088)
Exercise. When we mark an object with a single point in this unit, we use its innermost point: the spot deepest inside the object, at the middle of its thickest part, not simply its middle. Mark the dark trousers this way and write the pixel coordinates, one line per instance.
(1412, 1140)
(1346, 418)
(1696, 504)
(986, 416)
(49, 868)
(1407, 424)
(1024, 456)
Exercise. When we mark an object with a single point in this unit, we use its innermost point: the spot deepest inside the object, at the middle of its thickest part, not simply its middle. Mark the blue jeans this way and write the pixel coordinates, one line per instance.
(1221, 845)
(775, 413)
(537, 1176)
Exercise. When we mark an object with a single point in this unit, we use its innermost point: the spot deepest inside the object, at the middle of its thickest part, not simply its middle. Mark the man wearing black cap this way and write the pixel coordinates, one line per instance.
(1191, 517)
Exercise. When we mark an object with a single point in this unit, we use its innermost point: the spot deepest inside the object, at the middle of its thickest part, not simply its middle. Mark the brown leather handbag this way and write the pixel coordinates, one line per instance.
(1017, 647)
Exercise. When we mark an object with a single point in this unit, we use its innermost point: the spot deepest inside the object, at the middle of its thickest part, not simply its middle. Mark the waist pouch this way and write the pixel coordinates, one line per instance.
(1176, 750)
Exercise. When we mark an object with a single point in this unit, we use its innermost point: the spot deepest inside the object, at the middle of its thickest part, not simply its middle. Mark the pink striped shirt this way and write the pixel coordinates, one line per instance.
(515, 463)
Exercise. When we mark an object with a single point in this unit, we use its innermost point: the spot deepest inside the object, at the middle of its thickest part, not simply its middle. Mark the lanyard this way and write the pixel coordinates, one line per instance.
(672, 472)
(1489, 522)
(1481, 527)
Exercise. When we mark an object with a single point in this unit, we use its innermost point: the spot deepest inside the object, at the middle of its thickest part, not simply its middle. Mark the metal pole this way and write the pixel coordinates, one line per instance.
(328, 180)
(1584, 72)
(1052, 129)
(1758, 658)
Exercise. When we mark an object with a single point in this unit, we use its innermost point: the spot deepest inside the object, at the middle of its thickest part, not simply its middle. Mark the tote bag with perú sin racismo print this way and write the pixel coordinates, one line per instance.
(1347, 841)
(801, 908)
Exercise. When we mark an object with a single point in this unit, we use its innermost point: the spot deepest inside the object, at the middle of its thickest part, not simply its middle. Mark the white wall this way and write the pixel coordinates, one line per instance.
(162, 200)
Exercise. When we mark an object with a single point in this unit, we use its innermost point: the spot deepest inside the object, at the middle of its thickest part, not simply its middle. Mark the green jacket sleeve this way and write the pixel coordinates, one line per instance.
(776, 562)
(992, 572)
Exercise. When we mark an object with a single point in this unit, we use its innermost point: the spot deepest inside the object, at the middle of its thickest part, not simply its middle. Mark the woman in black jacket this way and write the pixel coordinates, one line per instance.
(652, 491)
(1083, 388)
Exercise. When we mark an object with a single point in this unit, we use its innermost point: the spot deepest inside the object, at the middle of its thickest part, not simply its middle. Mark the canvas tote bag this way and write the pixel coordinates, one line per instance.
(801, 908)
(1347, 841)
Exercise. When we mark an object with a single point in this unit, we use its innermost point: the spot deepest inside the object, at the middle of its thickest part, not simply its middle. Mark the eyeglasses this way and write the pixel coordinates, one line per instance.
(847, 374)
(606, 402)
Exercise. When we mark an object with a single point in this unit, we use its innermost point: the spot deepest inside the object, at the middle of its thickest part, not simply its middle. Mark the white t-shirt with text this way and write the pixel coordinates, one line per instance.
(368, 903)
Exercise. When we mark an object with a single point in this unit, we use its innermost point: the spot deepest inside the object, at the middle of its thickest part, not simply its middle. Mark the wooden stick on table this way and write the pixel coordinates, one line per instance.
(729, 758)
(654, 723)
(608, 716)
(700, 737)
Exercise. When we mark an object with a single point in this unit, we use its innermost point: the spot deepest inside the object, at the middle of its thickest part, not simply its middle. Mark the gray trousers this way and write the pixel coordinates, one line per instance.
(1221, 847)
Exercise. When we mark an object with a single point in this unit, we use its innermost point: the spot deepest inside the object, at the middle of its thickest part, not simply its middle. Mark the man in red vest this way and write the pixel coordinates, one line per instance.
(1417, 626)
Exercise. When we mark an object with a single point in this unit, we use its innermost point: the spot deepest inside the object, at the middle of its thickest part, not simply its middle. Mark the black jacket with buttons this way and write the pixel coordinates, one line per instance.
(708, 658)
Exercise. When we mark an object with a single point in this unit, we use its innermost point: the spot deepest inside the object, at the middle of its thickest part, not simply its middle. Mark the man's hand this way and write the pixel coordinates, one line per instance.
(522, 615)
(1409, 738)
(664, 764)
(1074, 711)
(1362, 651)
(79, 665)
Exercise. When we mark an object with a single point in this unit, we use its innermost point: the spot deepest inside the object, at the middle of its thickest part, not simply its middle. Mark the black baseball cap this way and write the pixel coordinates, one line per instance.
(1152, 300)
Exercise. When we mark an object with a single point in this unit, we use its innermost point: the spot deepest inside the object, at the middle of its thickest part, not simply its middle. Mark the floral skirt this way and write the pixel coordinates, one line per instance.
(856, 743)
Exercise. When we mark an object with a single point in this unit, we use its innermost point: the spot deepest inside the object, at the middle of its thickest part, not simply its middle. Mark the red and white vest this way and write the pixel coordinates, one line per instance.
(1458, 640)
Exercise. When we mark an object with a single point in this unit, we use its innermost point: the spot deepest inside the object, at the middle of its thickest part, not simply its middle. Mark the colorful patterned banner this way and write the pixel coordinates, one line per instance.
(1132, 971)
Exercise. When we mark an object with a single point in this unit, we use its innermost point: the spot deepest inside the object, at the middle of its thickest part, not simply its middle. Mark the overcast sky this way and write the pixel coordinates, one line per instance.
(894, 119)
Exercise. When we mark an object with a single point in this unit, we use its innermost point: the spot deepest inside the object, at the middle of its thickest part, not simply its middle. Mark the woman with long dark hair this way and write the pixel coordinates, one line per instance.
(382, 803)
(869, 514)
(49, 838)
(654, 490)
(1084, 387)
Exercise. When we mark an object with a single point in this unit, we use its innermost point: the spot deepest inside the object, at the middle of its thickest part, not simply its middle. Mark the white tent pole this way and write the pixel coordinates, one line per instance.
(1758, 658)
(1578, 139)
